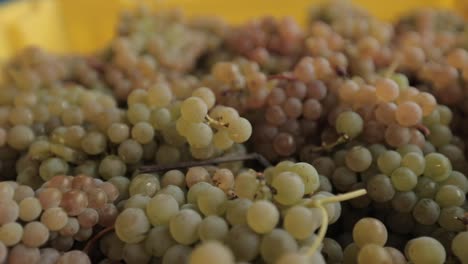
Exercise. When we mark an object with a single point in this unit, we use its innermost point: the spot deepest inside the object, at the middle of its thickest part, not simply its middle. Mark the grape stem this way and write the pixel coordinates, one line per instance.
(98, 236)
(319, 203)
(212, 121)
(392, 68)
(231, 158)
(329, 146)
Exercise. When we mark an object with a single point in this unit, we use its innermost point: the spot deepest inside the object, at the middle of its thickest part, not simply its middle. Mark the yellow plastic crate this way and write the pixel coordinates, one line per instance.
(83, 26)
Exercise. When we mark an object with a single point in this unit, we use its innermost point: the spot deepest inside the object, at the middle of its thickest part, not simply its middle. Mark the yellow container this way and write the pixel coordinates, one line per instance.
(83, 26)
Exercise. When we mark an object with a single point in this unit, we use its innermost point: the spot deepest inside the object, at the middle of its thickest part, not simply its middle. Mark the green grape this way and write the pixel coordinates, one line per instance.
(459, 246)
(423, 250)
(194, 191)
(350, 254)
(457, 179)
(404, 202)
(206, 95)
(343, 178)
(358, 159)
(21, 116)
(88, 167)
(299, 258)
(362, 236)
(176, 193)
(450, 195)
(137, 201)
(445, 113)
(426, 188)
(262, 216)
(324, 166)
(404, 179)
(94, 143)
(389, 161)
(177, 254)
(276, 244)
(440, 135)
(415, 162)
(246, 184)
(224, 114)
(199, 135)
(193, 109)
(138, 112)
(376, 150)
(309, 176)
(401, 80)
(158, 241)
(160, 118)
(130, 151)
(132, 225)
(380, 188)
(410, 148)
(143, 132)
(236, 211)
(432, 119)
(118, 132)
(51, 167)
(184, 226)
(40, 150)
(20, 137)
(11, 233)
(239, 130)
(133, 253)
(211, 252)
(145, 183)
(438, 167)
(213, 228)
(211, 201)
(159, 95)
(172, 137)
(332, 250)
(112, 166)
(244, 243)
(372, 253)
(221, 140)
(449, 218)
(349, 123)
(167, 154)
(173, 177)
(426, 211)
(73, 136)
(301, 222)
(161, 208)
(289, 188)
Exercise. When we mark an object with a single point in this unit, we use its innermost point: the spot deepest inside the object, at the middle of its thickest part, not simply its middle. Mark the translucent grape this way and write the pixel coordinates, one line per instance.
(289, 186)
(11, 233)
(415, 162)
(159, 95)
(358, 159)
(211, 252)
(349, 123)
(372, 253)
(438, 167)
(362, 236)
(211, 201)
(408, 114)
(35, 234)
(404, 179)
(426, 211)
(132, 225)
(275, 244)
(9, 211)
(199, 135)
(450, 195)
(389, 161)
(212, 228)
(301, 222)
(29, 209)
(239, 130)
(184, 226)
(458, 246)
(262, 216)
(309, 176)
(425, 250)
(158, 241)
(236, 211)
(161, 208)
(145, 183)
(194, 109)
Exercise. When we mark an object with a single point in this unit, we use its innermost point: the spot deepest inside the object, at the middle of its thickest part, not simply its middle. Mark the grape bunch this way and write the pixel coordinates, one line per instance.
(190, 140)
(38, 225)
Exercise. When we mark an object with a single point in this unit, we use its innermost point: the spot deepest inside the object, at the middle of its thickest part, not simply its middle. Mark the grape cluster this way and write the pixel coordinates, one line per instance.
(179, 215)
(37, 225)
(363, 122)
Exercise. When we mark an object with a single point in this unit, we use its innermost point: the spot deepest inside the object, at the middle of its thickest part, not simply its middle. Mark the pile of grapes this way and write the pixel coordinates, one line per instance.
(194, 141)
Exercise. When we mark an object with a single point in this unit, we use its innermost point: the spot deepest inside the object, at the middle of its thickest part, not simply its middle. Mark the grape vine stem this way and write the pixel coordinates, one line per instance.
(98, 236)
(231, 158)
(319, 203)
